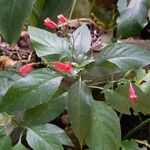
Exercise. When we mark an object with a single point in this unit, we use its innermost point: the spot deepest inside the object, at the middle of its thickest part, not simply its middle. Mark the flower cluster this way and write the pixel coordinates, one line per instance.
(25, 69)
(63, 67)
(49, 23)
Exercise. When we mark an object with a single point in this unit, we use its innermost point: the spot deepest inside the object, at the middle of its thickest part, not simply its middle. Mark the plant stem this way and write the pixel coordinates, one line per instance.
(132, 132)
(96, 87)
(145, 143)
(72, 9)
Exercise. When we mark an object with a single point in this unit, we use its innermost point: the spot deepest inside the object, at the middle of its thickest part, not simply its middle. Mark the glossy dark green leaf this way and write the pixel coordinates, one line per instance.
(105, 130)
(125, 56)
(99, 69)
(47, 137)
(81, 40)
(5, 143)
(46, 112)
(119, 100)
(46, 43)
(12, 16)
(78, 105)
(133, 17)
(30, 91)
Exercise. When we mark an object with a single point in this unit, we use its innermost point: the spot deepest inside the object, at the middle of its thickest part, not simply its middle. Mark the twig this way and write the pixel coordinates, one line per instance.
(29, 57)
(72, 8)
(145, 143)
(5, 50)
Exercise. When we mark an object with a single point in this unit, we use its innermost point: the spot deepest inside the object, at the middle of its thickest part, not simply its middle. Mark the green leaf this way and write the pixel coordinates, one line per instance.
(99, 68)
(81, 40)
(36, 11)
(78, 105)
(143, 80)
(102, 15)
(30, 91)
(12, 16)
(7, 78)
(52, 8)
(2, 129)
(5, 143)
(132, 18)
(46, 112)
(105, 132)
(46, 43)
(129, 145)
(118, 99)
(122, 4)
(47, 137)
(125, 56)
(19, 146)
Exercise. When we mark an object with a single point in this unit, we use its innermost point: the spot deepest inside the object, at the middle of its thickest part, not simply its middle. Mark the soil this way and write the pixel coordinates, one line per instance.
(22, 53)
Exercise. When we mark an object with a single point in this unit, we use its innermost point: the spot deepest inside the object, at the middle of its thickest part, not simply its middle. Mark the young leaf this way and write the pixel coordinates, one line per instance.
(105, 133)
(30, 91)
(5, 143)
(132, 18)
(129, 145)
(78, 105)
(81, 40)
(118, 99)
(12, 16)
(46, 112)
(46, 43)
(47, 137)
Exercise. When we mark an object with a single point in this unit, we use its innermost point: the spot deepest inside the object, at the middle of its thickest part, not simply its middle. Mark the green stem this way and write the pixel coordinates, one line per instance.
(120, 116)
(95, 87)
(72, 9)
(92, 4)
(132, 132)
(114, 18)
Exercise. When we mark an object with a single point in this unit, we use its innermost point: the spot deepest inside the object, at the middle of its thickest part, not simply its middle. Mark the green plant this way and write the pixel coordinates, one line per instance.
(132, 17)
(14, 14)
(66, 84)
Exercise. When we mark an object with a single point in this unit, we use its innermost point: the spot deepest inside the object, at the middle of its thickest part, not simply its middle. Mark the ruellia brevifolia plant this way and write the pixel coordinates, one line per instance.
(31, 98)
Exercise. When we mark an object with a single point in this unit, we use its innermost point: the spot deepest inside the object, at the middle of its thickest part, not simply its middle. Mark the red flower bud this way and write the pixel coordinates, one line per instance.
(61, 18)
(49, 23)
(132, 95)
(25, 69)
(64, 67)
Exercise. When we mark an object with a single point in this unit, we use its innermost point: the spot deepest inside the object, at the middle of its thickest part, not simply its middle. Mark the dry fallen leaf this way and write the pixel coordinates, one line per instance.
(6, 62)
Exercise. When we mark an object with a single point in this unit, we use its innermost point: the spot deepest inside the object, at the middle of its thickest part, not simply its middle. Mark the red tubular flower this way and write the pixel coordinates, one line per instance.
(25, 69)
(49, 23)
(132, 95)
(64, 67)
(61, 18)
